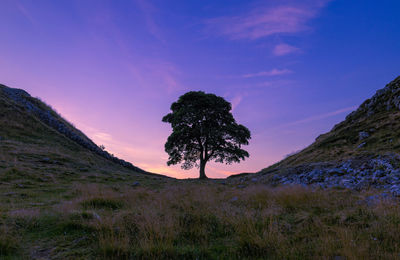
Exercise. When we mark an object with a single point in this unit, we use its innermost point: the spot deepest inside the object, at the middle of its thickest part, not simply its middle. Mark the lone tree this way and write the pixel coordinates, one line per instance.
(203, 129)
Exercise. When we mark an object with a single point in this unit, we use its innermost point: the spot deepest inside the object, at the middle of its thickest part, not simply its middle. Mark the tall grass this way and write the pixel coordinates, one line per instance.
(211, 221)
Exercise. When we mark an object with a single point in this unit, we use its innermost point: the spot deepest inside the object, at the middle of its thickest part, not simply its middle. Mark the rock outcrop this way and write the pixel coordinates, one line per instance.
(361, 152)
(385, 99)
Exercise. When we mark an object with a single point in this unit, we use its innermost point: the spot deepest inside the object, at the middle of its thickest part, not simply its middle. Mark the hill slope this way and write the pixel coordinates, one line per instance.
(33, 134)
(373, 129)
(360, 152)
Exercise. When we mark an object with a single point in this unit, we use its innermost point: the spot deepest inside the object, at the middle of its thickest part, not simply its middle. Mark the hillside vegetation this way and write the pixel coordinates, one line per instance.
(61, 200)
(359, 153)
(30, 121)
(372, 130)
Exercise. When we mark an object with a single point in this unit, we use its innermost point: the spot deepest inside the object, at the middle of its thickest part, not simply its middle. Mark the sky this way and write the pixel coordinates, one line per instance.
(291, 69)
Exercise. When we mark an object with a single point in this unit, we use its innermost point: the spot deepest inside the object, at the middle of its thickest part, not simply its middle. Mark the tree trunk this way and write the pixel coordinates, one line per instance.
(202, 170)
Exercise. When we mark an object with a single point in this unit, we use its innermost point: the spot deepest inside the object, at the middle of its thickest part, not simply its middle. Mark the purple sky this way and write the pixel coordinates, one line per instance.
(291, 69)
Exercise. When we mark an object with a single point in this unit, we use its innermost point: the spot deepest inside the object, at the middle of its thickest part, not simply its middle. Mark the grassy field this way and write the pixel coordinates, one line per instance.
(111, 218)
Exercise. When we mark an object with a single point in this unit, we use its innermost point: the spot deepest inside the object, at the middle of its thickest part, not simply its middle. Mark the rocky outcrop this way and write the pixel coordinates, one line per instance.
(385, 99)
(382, 173)
(360, 152)
(56, 122)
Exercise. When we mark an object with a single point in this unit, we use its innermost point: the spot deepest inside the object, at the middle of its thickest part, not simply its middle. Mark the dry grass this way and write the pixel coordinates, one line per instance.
(76, 205)
(210, 221)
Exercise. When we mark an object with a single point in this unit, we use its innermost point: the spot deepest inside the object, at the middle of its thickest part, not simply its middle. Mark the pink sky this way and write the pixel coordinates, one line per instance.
(291, 69)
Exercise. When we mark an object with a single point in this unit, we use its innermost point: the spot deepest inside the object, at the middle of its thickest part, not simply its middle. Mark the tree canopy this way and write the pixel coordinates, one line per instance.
(203, 129)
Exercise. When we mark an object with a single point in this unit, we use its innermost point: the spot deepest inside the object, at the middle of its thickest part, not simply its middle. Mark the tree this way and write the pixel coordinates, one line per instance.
(203, 129)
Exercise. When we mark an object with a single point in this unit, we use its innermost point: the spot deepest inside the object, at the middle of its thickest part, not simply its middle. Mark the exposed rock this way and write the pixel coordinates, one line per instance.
(363, 135)
(361, 145)
(96, 216)
(378, 173)
(375, 199)
(135, 184)
(234, 199)
(395, 190)
(45, 160)
(358, 153)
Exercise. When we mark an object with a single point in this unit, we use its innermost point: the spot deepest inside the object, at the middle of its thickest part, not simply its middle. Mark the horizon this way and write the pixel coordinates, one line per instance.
(291, 69)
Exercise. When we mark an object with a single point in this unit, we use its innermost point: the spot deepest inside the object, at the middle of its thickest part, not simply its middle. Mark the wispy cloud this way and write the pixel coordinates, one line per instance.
(274, 83)
(165, 72)
(25, 12)
(149, 12)
(267, 73)
(102, 136)
(263, 21)
(236, 101)
(284, 49)
(321, 116)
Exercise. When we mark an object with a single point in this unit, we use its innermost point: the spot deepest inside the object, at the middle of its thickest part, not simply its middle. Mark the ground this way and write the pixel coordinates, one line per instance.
(87, 215)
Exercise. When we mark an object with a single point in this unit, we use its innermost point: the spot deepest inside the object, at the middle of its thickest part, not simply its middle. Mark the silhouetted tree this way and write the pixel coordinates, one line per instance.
(203, 129)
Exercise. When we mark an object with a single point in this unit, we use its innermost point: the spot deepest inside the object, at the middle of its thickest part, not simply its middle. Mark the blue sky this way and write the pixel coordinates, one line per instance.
(292, 69)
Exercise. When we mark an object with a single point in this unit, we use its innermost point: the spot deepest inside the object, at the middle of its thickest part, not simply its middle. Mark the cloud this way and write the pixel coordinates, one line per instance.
(26, 13)
(236, 101)
(274, 83)
(166, 72)
(263, 21)
(102, 136)
(156, 73)
(268, 73)
(284, 49)
(321, 116)
(148, 11)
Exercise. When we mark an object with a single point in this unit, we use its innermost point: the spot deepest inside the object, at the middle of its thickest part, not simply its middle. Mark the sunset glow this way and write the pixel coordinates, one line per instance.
(291, 69)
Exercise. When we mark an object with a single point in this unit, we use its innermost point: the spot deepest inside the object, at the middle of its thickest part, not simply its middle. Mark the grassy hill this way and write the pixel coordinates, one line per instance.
(29, 123)
(63, 199)
(372, 130)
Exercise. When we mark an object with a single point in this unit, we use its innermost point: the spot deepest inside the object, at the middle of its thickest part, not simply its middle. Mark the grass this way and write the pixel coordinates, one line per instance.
(60, 201)
(343, 141)
(200, 220)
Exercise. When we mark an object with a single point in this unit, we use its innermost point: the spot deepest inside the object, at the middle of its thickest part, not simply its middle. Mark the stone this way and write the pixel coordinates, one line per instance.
(96, 216)
(234, 199)
(363, 135)
(336, 171)
(45, 160)
(378, 173)
(361, 145)
(395, 172)
(374, 199)
(395, 190)
(135, 184)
